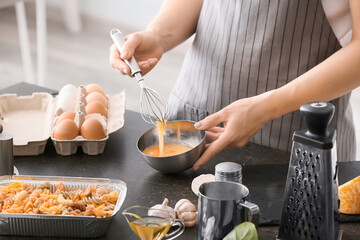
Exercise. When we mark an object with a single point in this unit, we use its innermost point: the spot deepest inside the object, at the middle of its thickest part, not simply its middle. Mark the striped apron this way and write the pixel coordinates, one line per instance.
(243, 48)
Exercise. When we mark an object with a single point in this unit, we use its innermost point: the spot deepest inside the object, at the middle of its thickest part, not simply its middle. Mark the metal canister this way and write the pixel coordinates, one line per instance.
(6, 153)
(228, 171)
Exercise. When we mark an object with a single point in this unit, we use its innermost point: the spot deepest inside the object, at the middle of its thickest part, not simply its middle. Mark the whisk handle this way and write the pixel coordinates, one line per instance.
(119, 41)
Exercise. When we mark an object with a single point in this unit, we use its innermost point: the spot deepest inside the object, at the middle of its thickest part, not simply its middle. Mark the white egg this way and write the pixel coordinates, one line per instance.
(66, 102)
(68, 89)
(66, 99)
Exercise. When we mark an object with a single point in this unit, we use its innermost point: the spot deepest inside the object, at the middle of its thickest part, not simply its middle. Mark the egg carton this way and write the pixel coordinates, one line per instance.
(31, 121)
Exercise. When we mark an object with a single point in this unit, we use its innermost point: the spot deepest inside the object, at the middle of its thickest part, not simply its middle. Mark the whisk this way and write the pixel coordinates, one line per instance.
(153, 106)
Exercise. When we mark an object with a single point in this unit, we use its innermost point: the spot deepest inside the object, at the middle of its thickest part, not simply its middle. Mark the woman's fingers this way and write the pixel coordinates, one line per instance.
(210, 121)
(132, 42)
(116, 62)
(212, 136)
(213, 149)
(143, 46)
(216, 129)
(127, 51)
(147, 65)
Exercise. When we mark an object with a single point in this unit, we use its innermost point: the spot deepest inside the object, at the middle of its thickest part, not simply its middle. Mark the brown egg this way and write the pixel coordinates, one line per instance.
(92, 87)
(96, 96)
(96, 107)
(66, 130)
(92, 129)
(65, 115)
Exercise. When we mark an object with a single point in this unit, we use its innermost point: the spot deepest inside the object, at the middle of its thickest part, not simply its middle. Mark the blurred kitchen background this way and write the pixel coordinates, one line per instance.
(55, 42)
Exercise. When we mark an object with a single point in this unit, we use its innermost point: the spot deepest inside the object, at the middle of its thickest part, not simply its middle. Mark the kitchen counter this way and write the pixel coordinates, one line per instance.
(264, 172)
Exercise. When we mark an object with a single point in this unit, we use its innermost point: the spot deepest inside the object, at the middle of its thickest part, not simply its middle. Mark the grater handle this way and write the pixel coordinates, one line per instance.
(119, 41)
(252, 212)
(317, 116)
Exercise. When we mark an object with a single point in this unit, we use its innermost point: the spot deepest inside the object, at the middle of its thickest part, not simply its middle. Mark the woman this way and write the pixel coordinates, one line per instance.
(252, 64)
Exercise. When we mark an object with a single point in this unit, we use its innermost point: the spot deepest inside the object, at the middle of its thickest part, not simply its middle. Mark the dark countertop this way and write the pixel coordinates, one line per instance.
(264, 172)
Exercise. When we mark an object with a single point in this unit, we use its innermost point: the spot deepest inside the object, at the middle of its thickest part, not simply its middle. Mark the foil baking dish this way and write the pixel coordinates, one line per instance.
(60, 225)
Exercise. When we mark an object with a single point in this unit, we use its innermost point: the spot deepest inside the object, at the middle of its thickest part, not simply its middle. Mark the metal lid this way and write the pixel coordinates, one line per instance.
(228, 169)
(4, 136)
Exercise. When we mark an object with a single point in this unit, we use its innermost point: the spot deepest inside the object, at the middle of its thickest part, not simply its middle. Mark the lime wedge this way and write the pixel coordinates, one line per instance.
(243, 231)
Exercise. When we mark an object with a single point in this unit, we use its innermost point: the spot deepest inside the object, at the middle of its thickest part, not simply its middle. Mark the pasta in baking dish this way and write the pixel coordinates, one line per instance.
(24, 198)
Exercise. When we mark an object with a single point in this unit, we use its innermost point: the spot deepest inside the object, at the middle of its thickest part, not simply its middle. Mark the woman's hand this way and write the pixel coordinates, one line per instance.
(242, 119)
(145, 46)
(175, 22)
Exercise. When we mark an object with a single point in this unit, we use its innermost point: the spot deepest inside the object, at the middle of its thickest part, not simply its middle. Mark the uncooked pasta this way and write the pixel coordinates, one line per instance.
(23, 198)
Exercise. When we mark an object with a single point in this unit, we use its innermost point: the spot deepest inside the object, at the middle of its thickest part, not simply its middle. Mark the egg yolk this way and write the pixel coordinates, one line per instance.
(165, 150)
(168, 150)
(161, 128)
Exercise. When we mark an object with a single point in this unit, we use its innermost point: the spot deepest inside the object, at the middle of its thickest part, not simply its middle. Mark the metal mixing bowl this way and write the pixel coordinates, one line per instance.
(178, 132)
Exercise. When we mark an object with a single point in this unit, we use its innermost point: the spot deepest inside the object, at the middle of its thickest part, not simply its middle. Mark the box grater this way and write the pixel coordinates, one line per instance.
(310, 208)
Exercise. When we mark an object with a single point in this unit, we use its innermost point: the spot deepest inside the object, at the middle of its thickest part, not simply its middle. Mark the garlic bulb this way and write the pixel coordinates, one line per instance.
(162, 210)
(186, 211)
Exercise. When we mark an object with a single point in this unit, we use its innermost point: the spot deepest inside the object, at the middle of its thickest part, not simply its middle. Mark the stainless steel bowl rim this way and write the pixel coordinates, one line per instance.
(151, 129)
(179, 162)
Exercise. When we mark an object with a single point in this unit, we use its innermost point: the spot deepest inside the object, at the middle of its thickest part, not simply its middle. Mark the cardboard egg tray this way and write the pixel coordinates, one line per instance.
(31, 120)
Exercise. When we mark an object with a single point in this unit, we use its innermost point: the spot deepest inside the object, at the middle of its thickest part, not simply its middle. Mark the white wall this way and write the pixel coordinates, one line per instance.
(135, 13)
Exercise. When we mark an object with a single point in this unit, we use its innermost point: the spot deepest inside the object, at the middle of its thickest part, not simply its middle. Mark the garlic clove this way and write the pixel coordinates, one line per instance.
(188, 216)
(190, 224)
(162, 210)
(186, 211)
(177, 214)
(180, 202)
(187, 207)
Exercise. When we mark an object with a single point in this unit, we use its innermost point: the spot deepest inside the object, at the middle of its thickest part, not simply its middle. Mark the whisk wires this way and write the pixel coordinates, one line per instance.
(153, 106)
